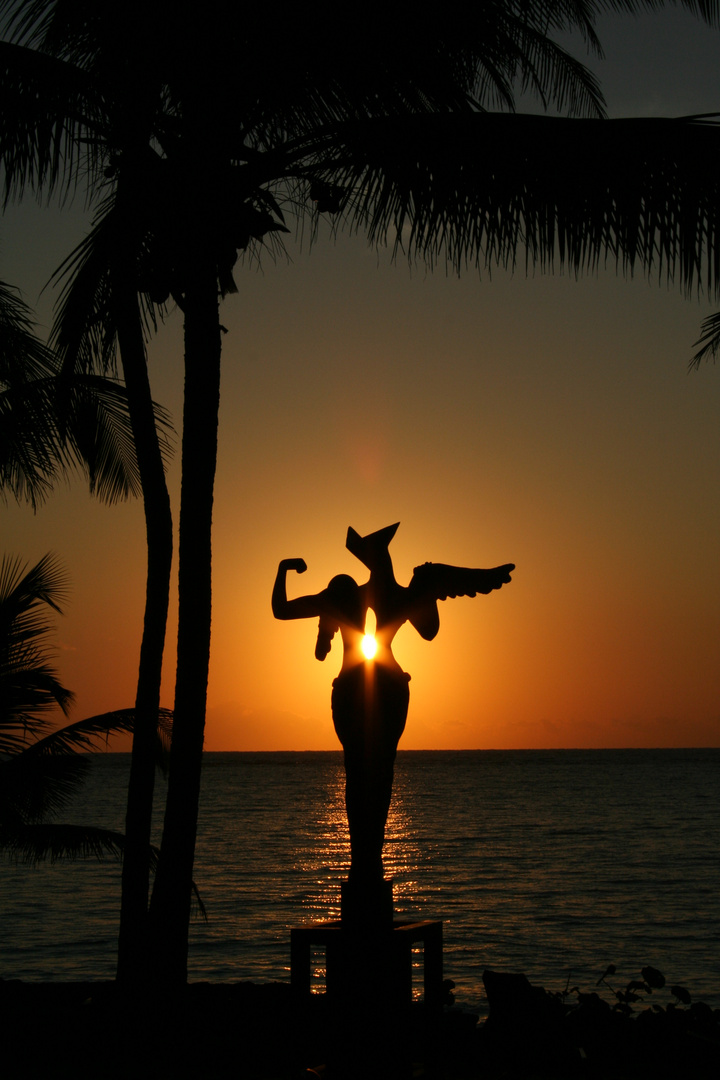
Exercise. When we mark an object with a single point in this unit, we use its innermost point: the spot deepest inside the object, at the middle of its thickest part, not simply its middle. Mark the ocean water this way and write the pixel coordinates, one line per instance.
(547, 862)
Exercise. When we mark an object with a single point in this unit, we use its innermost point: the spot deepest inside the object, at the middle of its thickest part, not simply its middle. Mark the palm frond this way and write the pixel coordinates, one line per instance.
(98, 428)
(36, 788)
(50, 122)
(479, 189)
(22, 354)
(33, 844)
(516, 51)
(55, 426)
(37, 843)
(709, 10)
(40, 780)
(23, 591)
(93, 733)
(31, 451)
(29, 686)
(53, 422)
(85, 332)
(709, 340)
(85, 337)
(85, 736)
(29, 691)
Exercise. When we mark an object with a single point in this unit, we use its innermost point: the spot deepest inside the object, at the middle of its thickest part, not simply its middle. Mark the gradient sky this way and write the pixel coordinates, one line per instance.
(545, 421)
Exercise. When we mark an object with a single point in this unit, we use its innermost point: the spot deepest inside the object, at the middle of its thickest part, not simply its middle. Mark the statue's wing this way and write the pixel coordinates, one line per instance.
(438, 581)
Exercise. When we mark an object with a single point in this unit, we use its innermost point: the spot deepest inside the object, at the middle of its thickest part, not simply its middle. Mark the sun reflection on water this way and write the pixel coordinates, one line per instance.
(402, 855)
(327, 863)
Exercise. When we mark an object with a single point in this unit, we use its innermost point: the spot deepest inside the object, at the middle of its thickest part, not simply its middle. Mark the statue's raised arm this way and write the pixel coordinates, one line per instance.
(304, 607)
(338, 607)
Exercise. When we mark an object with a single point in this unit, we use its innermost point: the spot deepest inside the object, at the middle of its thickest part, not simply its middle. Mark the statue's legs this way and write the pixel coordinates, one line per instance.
(369, 706)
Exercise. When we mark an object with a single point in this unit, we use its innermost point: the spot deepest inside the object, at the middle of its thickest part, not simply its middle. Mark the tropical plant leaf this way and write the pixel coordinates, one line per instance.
(41, 780)
(37, 843)
(31, 452)
(484, 189)
(33, 844)
(97, 426)
(55, 419)
(609, 970)
(49, 124)
(709, 340)
(93, 733)
(29, 687)
(654, 978)
(35, 789)
(84, 329)
(22, 354)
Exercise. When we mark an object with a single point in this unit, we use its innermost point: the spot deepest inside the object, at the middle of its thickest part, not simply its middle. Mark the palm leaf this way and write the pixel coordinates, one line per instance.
(85, 337)
(92, 733)
(31, 451)
(49, 124)
(84, 328)
(33, 844)
(97, 426)
(22, 354)
(34, 789)
(709, 340)
(479, 189)
(24, 593)
(32, 454)
(40, 779)
(29, 687)
(28, 691)
(58, 425)
(37, 843)
(53, 421)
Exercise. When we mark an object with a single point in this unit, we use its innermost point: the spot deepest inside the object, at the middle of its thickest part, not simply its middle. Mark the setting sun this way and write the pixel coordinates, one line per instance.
(369, 644)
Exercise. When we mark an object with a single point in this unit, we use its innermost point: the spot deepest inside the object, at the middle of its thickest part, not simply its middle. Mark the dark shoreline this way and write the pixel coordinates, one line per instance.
(214, 1031)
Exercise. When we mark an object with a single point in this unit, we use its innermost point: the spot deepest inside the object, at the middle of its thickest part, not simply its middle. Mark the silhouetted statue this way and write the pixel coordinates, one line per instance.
(370, 696)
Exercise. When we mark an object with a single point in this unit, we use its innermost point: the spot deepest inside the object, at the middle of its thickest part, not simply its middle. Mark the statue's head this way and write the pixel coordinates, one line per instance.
(345, 596)
(372, 550)
(346, 608)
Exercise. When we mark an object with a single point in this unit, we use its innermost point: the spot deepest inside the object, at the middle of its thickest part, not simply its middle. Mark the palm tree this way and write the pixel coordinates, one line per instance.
(389, 132)
(41, 768)
(57, 414)
(98, 314)
(100, 310)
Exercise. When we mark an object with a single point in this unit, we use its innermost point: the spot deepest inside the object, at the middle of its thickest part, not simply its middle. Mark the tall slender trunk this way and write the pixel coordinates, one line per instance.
(132, 942)
(170, 904)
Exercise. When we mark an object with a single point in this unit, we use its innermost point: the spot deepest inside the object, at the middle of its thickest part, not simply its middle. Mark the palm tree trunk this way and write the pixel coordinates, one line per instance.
(170, 904)
(132, 942)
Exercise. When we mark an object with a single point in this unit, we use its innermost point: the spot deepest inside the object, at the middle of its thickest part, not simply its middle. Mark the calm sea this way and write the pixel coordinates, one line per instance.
(538, 861)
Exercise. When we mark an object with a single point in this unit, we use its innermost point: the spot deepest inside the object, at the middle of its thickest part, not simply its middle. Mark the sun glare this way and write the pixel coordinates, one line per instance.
(369, 644)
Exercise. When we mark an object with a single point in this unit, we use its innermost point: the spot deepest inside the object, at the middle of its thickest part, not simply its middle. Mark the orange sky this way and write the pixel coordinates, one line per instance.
(543, 421)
